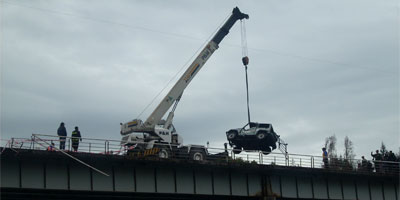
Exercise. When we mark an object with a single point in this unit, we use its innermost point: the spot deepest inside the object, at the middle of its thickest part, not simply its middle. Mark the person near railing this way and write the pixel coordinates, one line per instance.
(62, 133)
(75, 137)
(325, 157)
(391, 165)
(377, 160)
(366, 165)
(51, 147)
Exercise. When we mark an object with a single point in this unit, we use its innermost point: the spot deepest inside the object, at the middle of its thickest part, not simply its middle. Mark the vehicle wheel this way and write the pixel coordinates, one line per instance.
(266, 150)
(232, 135)
(261, 135)
(237, 150)
(273, 146)
(197, 155)
(164, 153)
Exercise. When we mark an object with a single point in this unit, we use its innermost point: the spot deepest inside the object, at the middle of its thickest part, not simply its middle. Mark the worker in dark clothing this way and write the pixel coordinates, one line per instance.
(62, 133)
(75, 137)
(366, 165)
(377, 160)
(392, 166)
(325, 157)
(391, 157)
(363, 162)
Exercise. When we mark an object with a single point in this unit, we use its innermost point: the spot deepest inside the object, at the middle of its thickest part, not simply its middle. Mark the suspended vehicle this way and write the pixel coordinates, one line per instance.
(253, 136)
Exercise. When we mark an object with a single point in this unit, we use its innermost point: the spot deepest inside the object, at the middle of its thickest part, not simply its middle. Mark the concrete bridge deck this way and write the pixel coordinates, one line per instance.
(51, 175)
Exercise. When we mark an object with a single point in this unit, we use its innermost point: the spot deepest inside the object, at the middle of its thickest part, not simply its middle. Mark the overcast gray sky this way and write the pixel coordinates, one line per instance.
(317, 68)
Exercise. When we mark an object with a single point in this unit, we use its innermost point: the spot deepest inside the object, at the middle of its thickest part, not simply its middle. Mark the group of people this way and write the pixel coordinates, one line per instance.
(387, 162)
(75, 137)
(384, 161)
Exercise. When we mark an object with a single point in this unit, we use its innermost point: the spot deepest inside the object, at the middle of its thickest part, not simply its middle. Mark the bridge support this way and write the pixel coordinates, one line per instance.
(52, 175)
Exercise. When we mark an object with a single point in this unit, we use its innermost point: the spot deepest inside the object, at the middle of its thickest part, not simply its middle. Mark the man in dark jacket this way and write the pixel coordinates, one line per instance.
(62, 133)
(377, 160)
(75, 137)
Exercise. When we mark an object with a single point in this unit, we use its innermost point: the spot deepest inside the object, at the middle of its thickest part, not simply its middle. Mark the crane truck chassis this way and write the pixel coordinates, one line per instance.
(159, 134)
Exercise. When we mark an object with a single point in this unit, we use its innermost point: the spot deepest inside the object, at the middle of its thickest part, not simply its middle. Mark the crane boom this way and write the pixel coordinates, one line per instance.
(176, 91)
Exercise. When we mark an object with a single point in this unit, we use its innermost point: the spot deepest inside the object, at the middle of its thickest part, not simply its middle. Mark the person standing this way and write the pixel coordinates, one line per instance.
(76, 137)
(62, 133)
(325, 157)
(377, 160)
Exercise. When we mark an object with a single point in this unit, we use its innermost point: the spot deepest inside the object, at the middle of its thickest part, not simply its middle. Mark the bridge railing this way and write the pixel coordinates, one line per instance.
(114, 147)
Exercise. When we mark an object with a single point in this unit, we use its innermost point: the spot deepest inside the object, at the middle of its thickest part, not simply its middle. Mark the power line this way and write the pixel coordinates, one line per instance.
(325, 61)
(199, 39)
(104, 21)
(315, 59)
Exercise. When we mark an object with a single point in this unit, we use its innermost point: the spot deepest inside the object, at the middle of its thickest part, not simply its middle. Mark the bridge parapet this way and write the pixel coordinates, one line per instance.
(113, 147)
(46, 171)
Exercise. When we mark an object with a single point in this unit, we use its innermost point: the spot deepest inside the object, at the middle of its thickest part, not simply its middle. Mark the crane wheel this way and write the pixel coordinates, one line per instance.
(197, 155)
(164, 153)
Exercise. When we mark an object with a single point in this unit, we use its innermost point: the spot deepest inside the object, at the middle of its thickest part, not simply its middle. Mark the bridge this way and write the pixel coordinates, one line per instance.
(103, 170)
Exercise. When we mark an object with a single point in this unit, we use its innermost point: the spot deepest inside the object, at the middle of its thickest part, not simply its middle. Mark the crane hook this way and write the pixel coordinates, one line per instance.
(245, 60)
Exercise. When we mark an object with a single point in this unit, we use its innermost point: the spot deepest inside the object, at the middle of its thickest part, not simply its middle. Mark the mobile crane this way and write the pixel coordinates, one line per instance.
(155, 132)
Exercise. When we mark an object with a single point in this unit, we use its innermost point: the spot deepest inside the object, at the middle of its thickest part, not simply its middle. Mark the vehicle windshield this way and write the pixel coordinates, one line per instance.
(264, 125)
(251, 125)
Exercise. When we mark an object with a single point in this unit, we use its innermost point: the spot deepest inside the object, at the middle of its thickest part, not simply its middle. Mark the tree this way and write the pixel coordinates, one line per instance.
(330, 145)
(349, 154)
(383, 149)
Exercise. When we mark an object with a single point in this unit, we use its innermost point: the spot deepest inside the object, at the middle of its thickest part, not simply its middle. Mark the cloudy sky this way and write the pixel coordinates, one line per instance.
(317, 68)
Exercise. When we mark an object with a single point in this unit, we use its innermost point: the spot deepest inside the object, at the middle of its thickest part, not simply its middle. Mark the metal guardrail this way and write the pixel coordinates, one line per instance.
(114, 147)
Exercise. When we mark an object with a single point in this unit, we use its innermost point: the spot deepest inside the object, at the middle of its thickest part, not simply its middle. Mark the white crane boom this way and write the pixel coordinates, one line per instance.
(176, 91)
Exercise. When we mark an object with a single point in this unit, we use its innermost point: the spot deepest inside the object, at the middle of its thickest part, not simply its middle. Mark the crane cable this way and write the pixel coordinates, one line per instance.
(245, 61)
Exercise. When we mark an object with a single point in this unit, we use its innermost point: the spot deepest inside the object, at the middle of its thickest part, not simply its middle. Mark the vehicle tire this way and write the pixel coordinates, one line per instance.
(261, 135)
(237, 150)
(273, 146)
(197, 155)
(164, 153)
(266, 150)
(232, 135)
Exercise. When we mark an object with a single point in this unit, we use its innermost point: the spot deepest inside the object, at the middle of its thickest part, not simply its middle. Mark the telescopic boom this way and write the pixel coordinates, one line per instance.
(176, 91)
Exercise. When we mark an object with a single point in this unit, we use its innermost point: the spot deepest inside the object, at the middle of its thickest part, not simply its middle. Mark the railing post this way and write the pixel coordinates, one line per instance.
(312, 162)
(287, 160)
(69, 144)
(90, 145)
(12, 143)
(33, 140)
(105, 147)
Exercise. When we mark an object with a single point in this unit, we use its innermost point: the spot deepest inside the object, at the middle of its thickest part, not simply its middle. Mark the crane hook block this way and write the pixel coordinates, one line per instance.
(245, 60)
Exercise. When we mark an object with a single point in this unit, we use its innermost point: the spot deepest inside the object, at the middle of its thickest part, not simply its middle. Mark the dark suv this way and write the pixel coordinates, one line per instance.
(253, 136)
